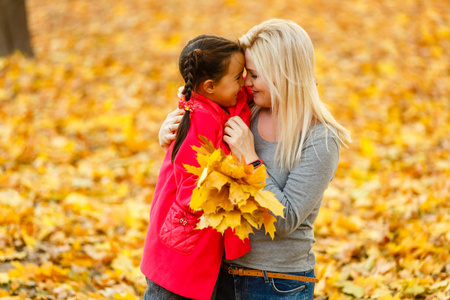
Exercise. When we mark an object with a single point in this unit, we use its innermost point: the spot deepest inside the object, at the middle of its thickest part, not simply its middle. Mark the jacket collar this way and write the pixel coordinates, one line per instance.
(200, 102)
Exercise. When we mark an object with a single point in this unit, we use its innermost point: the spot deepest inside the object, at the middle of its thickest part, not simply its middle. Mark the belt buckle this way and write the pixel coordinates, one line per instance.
(230, 270)
(240, 271)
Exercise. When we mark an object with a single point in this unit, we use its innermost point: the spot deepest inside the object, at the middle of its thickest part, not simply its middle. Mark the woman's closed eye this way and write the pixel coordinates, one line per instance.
(251, 74)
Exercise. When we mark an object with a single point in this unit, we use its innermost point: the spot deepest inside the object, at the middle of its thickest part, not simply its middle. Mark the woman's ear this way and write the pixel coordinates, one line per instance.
(209, 86)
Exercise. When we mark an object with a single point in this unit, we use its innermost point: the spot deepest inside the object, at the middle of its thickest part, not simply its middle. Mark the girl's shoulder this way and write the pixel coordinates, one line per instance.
(206, 118)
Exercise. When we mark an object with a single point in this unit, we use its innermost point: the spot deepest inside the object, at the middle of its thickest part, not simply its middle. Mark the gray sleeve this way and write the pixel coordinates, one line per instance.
(307, 182)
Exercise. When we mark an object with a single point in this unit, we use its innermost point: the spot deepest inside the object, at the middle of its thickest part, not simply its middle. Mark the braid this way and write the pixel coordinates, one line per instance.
(190, 70)
(189, 74)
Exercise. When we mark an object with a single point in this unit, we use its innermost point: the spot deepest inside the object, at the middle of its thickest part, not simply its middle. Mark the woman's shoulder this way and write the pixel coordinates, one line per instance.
(320, 132)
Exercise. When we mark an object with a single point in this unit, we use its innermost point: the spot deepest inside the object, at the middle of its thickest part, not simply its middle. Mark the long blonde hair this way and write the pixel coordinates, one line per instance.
(284, 58)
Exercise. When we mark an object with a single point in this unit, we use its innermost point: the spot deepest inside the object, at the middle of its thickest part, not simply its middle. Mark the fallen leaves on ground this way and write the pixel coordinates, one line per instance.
(79, 155)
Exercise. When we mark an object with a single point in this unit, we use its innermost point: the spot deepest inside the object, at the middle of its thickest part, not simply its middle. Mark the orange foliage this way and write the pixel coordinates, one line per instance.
(229, 193)
(79, 155)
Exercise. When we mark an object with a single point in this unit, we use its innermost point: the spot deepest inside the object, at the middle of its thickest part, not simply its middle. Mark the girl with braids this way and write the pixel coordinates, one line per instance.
(299, 140)
(178, 260)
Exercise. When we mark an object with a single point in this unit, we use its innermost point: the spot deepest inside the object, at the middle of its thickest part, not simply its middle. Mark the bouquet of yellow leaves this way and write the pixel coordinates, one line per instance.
(229, 193)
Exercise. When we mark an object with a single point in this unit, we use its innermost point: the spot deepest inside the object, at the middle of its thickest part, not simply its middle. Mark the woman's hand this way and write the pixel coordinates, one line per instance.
(240, 139)
(167, 132)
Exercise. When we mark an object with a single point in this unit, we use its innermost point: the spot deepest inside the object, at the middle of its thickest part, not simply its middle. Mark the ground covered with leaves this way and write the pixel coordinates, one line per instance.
(79, 155)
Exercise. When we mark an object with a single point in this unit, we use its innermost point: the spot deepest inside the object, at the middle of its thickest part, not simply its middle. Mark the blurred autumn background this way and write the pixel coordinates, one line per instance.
(79, 154)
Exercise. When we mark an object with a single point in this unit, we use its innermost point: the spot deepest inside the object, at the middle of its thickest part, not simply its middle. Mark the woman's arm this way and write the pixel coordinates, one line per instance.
(167, 132)
(306, 183)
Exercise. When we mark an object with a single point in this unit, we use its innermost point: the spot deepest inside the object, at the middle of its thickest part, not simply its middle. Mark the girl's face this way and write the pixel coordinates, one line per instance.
(260, 90)
(227, 88)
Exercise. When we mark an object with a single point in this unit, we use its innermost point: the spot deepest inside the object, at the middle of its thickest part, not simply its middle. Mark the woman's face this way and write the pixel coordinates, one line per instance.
(260, 90)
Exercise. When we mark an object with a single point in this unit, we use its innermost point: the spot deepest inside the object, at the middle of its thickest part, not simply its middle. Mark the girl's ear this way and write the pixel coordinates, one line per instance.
(209, 86)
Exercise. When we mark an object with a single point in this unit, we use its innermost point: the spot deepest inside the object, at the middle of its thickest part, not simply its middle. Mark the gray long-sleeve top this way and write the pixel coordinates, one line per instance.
(300, 191)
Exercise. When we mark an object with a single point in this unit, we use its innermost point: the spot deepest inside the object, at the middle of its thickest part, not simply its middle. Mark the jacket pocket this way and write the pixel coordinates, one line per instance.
(178, 231)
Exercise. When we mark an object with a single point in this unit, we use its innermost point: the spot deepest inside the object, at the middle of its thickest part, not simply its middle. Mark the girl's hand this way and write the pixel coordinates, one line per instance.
(167, 132)
(240, 139)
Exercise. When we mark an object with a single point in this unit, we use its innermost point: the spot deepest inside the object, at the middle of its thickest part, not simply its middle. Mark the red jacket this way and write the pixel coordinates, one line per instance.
(176, 256)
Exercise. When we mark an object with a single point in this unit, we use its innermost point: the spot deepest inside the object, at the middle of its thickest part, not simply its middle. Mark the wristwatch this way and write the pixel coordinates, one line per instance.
(256, 163)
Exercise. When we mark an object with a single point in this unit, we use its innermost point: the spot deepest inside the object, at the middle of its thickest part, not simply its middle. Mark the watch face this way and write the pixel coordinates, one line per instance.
(256, 163)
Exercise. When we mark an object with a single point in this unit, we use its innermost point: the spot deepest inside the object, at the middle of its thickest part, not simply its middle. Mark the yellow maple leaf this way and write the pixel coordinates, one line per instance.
(222, 227)
(237, 194)
(210, 196)
(198, 198)
(249, 206)
(256, 179)
(233, 218)
(266, 199)
(207, 146)
(269, 226)
(250, 219)
(216, 158)
(258, 215)
(243, 230)
(202, 160)
(193, 170)
(202, 176)
(217, 180)
(219, 199)
(233, 170)
(209, 207)
(215, 219)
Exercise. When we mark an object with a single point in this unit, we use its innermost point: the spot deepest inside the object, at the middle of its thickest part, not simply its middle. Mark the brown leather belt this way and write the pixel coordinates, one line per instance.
(259, 273)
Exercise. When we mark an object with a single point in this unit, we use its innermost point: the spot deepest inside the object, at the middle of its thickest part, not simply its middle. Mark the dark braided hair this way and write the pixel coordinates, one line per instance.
(205, 57)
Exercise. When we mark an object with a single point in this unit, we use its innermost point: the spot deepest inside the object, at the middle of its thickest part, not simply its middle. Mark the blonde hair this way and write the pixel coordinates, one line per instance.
(283, 55)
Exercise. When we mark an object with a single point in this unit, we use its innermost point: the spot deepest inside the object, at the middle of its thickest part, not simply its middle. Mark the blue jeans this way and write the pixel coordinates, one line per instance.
(157, 292)
(235, 287)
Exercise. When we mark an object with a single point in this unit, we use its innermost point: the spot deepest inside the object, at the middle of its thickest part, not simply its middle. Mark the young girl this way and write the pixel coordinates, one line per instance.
(179, 260)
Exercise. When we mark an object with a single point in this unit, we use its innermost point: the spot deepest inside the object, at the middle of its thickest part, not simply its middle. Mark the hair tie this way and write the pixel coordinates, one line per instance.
(199, 52)
(186, 105)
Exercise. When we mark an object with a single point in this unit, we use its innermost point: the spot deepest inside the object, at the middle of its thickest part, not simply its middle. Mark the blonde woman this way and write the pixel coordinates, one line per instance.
(294, 134)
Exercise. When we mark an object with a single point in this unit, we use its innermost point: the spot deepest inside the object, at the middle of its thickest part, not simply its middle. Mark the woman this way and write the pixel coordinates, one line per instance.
(294, 134)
